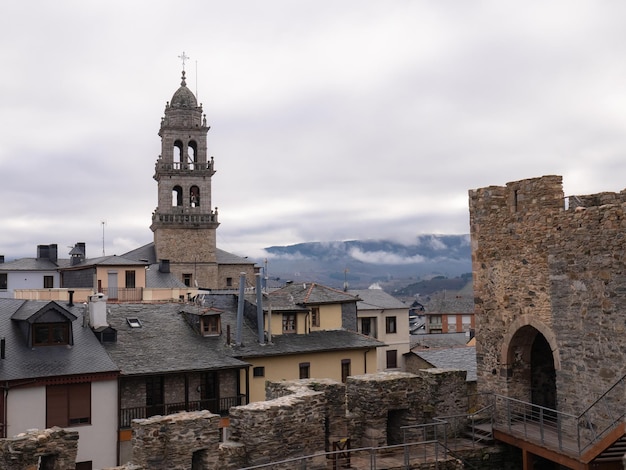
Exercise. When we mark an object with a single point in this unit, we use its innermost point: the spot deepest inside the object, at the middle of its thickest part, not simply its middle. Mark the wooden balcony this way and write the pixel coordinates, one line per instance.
(219, 406)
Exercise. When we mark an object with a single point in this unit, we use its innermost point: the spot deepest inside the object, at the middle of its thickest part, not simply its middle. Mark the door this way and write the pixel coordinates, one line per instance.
(112, 281)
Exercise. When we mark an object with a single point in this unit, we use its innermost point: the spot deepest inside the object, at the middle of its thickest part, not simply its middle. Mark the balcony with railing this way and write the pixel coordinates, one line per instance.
(123, 294)
(219, 406)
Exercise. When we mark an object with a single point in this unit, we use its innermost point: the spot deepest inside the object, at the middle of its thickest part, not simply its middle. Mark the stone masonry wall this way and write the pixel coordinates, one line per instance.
(56, 447)
(177, 441)
(404, 399)
(335, 403)
(278, 429)
(541, 267)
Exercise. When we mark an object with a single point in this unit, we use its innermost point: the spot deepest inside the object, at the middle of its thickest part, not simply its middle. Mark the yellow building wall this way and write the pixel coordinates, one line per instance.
(302, 322)
(102, 274)
(322, 365)
(330, 317)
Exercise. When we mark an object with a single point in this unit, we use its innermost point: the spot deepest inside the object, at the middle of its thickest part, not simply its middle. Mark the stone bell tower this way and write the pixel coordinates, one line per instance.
(183, 223)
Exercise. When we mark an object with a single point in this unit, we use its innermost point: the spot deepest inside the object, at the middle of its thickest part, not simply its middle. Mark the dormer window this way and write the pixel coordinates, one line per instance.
(210, 325)
(51, 334)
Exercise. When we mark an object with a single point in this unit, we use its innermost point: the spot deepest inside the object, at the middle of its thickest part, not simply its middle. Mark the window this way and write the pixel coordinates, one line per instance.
(134, 322)
(48, 282)
(68, 405)
(258, 371)
(154, 395)
(451, 323)
(305, 370)
(434, 323)
(130, 279)
(229, 282)
(392, 359)
(210, 325)
(187, 280)
(3, 281)
(51, 334)
(289, 323)
(390, 324)
(368, 326)
(345, 370)
(315, 316)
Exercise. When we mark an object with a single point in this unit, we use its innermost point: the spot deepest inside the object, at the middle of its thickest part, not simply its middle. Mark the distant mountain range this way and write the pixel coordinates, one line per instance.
(361, 263)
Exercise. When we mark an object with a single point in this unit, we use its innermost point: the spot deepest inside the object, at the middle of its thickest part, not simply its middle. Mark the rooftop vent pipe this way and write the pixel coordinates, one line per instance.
(259, 309)
(242, 286)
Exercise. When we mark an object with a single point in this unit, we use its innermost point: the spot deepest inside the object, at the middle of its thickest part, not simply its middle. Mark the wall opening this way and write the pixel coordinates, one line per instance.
(543, 375)
(47, 462)
(177, 153)
(177, 196)
(395, 420)
(532, 364)
(194, 196)
(192, 154)
(198, 460)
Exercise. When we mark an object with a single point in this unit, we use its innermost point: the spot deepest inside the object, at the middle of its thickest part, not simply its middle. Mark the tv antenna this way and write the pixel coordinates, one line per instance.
(103, 222)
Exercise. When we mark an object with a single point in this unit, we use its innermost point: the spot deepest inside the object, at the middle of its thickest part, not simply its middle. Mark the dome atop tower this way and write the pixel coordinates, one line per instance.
(183, 98)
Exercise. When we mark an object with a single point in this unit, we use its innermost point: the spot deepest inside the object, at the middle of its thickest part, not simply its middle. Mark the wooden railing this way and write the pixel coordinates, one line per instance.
(124, 294)
(217, 406)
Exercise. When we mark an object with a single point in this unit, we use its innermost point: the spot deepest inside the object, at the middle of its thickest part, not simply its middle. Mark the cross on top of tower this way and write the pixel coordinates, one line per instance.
(183, 57)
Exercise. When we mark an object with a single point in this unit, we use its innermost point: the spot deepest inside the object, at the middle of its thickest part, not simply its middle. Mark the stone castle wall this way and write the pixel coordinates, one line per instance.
(53, 449)
(556, 266)
(300, 418)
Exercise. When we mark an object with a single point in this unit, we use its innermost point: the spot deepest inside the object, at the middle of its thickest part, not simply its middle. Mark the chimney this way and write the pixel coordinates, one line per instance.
(71, 301)
(98, 310)
(240, 306)
(53, 252)
(164, 266)
(43, 251)
(77, 254)
(259, 310)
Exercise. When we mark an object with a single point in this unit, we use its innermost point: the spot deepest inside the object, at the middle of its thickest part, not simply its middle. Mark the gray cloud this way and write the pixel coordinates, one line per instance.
(330, 120)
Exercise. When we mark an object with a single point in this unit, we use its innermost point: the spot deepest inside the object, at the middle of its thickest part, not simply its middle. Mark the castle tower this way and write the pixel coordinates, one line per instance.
(183, 223)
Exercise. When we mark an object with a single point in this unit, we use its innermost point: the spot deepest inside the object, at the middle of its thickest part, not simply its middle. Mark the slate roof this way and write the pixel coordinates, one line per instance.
(295, 296)
(159, 280)
(86, 356)
(148, 253)
(461, 358)
(112, 260)
(439, 340)
(167, 343)
(34, 264)
(449, 302)
(377, 299)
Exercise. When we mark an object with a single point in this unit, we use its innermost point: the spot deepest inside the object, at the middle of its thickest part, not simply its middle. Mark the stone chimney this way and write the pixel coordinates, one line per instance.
(77, 254)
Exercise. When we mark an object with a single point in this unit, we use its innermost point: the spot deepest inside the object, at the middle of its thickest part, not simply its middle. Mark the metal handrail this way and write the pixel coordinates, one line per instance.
(372, 451)
(565, 431)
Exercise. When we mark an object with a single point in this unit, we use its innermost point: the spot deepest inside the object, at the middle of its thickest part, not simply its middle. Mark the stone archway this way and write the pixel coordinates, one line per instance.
(531, 358)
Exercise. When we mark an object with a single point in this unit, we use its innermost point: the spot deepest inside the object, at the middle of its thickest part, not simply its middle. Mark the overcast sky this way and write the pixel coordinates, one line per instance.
(330, 119)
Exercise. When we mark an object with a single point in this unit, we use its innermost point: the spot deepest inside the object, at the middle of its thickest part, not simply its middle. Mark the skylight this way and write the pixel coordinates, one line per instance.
(134, 322)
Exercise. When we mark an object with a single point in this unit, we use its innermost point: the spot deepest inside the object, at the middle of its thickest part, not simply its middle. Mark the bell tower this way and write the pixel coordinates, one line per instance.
(183, 223)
